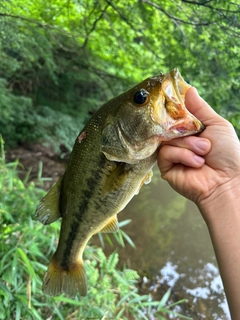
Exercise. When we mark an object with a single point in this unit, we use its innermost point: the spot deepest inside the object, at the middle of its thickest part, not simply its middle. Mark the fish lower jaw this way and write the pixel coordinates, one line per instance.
(177, 133)
(183, 128)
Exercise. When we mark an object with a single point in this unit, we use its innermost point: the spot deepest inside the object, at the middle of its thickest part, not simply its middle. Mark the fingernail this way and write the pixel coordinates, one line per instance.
(198, 159)
(201, 145)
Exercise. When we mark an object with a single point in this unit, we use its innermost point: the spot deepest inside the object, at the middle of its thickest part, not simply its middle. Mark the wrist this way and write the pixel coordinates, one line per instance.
(222, 203)
(221, 212)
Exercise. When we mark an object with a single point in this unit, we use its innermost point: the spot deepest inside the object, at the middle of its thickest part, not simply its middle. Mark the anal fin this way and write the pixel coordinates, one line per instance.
(111, 226)
(48, 208)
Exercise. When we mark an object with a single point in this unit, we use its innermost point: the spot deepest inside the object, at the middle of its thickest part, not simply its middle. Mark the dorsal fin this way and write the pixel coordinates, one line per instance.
(111, 226)
(48, 208)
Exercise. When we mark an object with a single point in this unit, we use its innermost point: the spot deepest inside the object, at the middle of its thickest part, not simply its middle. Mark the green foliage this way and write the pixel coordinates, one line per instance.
(56, 127)
(43, 89)
(119, 236)
(26, 245)
(19, 123)
(15, 119)
(72, 56)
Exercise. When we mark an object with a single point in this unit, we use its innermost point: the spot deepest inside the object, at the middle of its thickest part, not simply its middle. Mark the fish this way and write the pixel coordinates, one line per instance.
(112, 158)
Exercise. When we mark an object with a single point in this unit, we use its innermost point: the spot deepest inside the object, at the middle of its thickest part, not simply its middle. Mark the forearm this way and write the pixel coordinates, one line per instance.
(223, 220)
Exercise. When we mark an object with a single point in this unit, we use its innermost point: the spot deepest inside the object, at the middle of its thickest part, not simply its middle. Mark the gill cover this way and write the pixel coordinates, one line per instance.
(118, 146)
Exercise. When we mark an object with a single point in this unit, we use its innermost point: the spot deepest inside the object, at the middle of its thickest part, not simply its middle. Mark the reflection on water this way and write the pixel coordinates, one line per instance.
(173, 247)
(206, 285)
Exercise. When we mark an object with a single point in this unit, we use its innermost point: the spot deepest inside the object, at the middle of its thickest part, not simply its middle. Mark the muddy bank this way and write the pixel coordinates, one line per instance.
(40, 163)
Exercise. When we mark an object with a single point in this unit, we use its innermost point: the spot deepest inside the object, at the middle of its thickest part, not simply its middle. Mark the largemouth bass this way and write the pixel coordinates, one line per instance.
(111, 159)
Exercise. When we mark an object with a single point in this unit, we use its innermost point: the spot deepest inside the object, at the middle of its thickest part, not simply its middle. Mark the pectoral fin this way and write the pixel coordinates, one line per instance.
(146, 180)
(116, 179)
(111, 226)
(48, 208)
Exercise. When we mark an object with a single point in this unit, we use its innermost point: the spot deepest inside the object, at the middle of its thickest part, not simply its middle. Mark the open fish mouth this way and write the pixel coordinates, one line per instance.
(171, 113)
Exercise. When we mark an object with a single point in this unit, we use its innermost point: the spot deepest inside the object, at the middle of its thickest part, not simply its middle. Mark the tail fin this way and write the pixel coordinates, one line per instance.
(57, 280)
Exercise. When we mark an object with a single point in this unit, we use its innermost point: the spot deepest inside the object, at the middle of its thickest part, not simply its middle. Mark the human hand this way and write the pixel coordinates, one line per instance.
(202, 168)
(206, 169)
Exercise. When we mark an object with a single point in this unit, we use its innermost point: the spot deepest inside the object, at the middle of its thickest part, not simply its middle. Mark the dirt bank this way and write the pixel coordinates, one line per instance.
(43, 165)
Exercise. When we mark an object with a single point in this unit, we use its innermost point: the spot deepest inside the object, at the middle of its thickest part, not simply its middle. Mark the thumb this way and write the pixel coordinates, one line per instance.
(199, 107)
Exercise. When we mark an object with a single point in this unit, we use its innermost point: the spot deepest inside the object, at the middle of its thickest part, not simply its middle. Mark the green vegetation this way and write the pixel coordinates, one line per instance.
(25, 249)
(63, 59)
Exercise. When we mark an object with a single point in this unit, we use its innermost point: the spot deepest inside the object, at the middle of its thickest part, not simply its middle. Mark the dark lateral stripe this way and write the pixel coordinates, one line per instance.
(92, 184)
(71, 238)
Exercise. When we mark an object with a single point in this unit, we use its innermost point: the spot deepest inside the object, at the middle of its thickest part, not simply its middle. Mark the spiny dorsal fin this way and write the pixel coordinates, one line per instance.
(111, 226)
(48, 208)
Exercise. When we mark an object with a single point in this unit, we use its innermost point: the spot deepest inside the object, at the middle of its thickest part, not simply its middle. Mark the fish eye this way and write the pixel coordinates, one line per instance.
(140, 97)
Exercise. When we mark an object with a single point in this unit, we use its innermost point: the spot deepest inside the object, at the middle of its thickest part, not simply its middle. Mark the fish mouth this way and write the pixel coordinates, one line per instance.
(170, 111)
(187, 126)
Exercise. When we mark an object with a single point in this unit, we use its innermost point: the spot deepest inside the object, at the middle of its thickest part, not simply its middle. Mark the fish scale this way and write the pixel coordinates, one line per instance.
(111, 159)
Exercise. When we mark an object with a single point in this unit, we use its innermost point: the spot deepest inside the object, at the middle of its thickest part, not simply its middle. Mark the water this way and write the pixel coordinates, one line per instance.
(173, 249)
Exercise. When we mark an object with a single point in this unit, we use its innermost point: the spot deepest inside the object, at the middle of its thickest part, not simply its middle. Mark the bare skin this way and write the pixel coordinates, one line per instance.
(206, 170)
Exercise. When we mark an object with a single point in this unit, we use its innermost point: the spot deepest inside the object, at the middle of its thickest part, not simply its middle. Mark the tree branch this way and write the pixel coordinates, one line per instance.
(174, 19)
(205, 4)
(94, 26)
(40, 24)
(43, 25)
